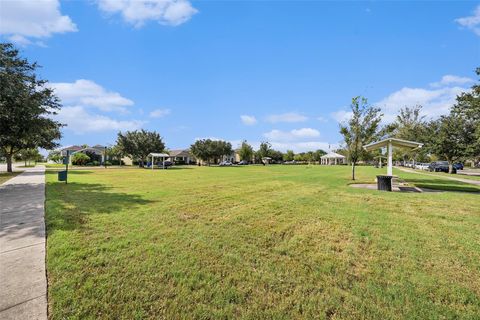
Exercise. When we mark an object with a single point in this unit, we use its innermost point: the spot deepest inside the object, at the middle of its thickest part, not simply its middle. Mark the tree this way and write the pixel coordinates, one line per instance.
(208, 150)
(80, 159)
(246, 151)
(289, 155)
(55, 156)
(26, 106)
(139, 144)
(221, 148)
(360, 129)
(467, 106)
(410, 125)
(318, 155)
(29, 155)
(203, 150)
(116, 152)
(451, 138)
(264, 150)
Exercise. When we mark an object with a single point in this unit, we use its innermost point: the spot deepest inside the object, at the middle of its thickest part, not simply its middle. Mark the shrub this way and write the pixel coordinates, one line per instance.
(80, 159)
(95, 163)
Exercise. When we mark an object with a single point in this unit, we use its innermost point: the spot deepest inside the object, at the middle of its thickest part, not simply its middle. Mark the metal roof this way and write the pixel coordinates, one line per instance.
(332, 155)
(395, 142)
(161, 155)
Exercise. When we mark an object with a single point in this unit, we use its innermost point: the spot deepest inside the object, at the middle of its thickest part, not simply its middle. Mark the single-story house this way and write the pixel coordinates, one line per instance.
(183, 156)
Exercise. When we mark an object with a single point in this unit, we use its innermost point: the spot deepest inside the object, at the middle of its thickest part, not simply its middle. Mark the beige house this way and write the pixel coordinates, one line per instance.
(182, 156)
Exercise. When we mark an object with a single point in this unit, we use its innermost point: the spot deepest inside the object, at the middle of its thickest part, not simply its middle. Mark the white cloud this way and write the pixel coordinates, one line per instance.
(295, 134)
(341, 115)
(137, 12)
(159, 113)
(471, 22)
(286, 117)
(451, 80)
(248, 120)
(81, 121)
(88, 93)
(22, 20)
(436, 100)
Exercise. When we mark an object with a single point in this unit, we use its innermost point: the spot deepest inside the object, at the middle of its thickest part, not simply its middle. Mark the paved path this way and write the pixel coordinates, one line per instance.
(469, 181)
(23, 283)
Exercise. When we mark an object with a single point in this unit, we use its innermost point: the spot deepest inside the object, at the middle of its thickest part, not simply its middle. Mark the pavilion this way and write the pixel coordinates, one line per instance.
(332, 158)
(389, 143)
(163, 156)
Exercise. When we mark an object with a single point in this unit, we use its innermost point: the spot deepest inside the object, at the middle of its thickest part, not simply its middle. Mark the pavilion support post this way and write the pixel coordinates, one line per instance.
(390, 163)
(152, 161)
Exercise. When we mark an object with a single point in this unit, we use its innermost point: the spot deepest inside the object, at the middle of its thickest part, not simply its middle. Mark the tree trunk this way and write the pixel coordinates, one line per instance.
(450, 167)
(9, 162)
(353, 170)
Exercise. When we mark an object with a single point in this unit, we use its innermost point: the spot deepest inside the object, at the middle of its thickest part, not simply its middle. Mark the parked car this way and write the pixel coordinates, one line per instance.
(225, 163)
(166, 162)
(440, 166)
(423, 166)
(243, 163)
(458, 166)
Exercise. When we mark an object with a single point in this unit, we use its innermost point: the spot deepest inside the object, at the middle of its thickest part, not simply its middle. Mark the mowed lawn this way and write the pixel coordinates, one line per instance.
(273, 242)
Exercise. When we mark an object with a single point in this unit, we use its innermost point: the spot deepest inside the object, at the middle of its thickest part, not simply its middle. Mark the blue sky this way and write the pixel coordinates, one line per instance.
(281, 71)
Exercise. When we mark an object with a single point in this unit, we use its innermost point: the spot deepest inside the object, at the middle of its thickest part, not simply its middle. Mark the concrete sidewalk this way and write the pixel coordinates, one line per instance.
(23, 282)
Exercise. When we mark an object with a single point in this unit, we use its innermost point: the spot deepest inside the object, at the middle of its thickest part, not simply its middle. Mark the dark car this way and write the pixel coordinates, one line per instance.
(164, 163)
(440, 166)
(458, 166)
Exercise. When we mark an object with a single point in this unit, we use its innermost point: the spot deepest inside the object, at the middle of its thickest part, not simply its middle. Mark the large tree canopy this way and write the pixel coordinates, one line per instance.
(468, 107)
(246, 151)
(26, 106)
(139, 144)
(207, 150)
(360, 130)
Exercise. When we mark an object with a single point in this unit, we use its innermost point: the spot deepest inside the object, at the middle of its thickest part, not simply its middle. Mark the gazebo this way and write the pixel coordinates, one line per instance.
(389, 143)
(332, 158)
(159, 155)
(266, 160)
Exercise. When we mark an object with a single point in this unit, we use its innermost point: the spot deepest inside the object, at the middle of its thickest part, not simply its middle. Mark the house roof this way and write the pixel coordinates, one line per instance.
(69, 148)
(332, 155)
(395, 142)
(180, 153)
(94, 150)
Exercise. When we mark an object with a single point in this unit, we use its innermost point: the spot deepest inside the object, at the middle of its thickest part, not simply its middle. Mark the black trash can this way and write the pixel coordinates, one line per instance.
(384, 183)
(62, 175)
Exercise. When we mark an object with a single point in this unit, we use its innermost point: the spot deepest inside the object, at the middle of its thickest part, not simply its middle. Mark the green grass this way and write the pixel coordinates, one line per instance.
(274, 242)
(5, 176)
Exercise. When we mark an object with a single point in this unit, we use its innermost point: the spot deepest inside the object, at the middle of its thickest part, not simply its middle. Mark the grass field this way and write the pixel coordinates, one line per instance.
(274, 242)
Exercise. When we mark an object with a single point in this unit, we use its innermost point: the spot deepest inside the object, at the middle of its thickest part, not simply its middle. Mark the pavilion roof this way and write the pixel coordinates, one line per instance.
(160, 155)
(395, 142)
(332, 155)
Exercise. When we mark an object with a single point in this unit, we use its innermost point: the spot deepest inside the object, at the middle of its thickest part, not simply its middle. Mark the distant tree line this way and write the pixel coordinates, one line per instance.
(27, 105)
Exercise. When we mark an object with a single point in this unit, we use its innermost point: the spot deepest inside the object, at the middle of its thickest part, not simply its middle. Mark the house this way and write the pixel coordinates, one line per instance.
(182, 156)
(70, 149)
(96, 153)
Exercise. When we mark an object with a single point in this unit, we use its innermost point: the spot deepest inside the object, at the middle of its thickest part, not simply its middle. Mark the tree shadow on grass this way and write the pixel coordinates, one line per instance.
(444, 185)
(68, 206)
